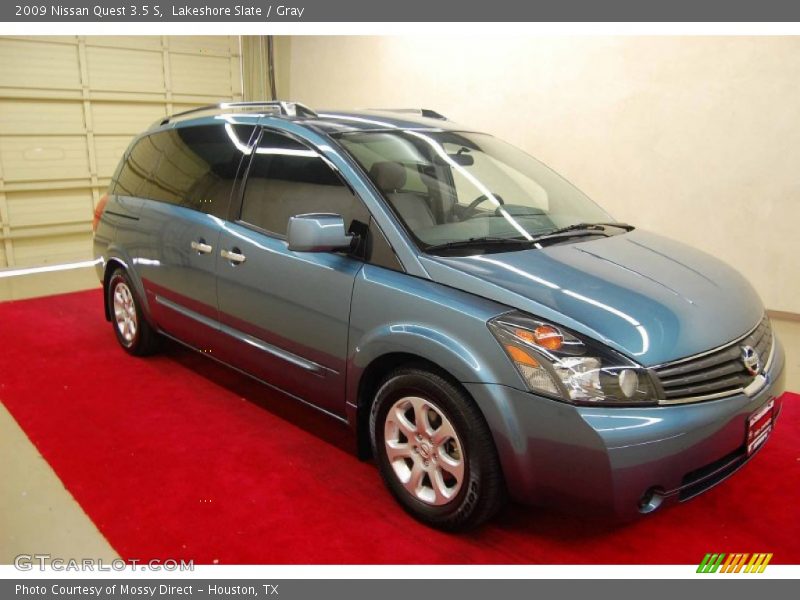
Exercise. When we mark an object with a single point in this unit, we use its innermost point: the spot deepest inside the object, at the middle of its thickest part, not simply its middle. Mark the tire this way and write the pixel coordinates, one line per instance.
(134, 333)
(446, 472)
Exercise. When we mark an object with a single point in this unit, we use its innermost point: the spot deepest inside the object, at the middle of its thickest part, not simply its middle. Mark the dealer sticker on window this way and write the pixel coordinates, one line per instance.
(759, 426)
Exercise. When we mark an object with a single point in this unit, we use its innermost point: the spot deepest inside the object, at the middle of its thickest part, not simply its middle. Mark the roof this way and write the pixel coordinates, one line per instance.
(329, 121)
(378, 120)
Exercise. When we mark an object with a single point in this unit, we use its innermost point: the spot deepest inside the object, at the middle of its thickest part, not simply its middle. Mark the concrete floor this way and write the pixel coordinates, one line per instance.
(39, 516)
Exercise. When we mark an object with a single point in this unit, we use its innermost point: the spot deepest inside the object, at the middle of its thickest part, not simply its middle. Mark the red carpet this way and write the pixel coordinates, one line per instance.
(176, 457)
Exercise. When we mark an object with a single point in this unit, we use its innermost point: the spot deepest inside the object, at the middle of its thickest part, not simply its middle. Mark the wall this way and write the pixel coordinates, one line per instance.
(697, 138)
(255, 66)
(69, 106)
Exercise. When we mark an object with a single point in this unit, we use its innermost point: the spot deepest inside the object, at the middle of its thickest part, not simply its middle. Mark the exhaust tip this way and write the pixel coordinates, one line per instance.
(651, 500)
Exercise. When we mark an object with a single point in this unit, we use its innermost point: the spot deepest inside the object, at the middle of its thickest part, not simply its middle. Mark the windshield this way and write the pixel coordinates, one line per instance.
(455, 187)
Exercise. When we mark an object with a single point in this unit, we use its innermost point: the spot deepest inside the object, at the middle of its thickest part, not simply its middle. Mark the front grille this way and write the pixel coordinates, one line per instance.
(716, 373)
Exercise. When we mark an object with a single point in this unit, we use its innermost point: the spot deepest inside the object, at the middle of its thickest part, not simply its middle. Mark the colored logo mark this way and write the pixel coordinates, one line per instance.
(734, 563)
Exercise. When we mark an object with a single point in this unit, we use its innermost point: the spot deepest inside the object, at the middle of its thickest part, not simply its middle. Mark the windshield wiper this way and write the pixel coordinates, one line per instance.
(578, 229)
(589, 226)
(480, 242)
(583, 228)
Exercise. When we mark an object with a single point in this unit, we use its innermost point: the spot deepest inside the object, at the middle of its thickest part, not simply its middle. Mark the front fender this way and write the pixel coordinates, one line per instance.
(447, 351)
(395, 313)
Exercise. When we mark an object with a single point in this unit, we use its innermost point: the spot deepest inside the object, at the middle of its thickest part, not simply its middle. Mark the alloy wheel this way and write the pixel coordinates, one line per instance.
(125, 312)
(424, 450)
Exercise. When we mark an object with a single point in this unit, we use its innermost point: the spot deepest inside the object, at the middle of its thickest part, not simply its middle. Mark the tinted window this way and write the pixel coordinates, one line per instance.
(379, 251)
(191, 166)
(286, 179)
(133, 173)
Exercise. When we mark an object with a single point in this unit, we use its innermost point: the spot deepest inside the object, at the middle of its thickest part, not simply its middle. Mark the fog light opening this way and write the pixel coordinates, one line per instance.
(651, 500)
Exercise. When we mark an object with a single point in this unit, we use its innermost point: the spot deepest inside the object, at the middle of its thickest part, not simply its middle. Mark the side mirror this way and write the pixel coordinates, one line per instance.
(317, 232)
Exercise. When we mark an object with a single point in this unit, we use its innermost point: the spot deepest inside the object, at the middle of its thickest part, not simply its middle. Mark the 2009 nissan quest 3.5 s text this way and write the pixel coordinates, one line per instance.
(485, 328)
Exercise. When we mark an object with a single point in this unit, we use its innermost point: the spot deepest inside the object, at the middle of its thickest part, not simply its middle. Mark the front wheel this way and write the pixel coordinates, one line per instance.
(434, 450)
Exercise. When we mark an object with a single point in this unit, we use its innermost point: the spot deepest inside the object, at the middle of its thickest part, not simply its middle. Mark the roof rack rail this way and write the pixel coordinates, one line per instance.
(286, 109)
(423, 112)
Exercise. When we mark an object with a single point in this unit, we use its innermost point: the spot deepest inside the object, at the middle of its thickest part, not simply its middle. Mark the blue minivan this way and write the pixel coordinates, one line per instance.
(485, 329)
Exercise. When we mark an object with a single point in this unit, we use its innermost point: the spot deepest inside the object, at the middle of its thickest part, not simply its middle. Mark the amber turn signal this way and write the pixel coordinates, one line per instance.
(544, 335)
(520, 356)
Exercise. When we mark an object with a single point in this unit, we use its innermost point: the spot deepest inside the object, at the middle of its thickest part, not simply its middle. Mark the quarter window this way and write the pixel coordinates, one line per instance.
(137, 166)
(286, 179)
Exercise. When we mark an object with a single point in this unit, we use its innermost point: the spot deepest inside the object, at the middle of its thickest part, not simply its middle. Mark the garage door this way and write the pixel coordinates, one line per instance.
(68, 108)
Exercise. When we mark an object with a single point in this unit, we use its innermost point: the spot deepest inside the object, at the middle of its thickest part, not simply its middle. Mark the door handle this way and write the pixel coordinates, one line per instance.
(201, 247)
(233, 255)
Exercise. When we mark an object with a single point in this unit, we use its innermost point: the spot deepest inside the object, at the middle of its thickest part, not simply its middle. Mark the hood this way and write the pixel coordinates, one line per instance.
(649, 297)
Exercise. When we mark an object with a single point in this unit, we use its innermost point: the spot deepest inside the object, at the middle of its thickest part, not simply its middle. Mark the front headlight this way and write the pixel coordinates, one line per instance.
(554, 362)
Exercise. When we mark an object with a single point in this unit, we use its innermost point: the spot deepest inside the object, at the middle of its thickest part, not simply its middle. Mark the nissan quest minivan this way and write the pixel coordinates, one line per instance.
(485, 329)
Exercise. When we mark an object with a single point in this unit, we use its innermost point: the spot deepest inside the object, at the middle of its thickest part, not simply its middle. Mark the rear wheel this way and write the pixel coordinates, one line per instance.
(133, 332)
(435, 451)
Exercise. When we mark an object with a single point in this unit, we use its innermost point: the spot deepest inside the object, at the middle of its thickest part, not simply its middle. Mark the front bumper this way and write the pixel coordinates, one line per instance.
(555, 453)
